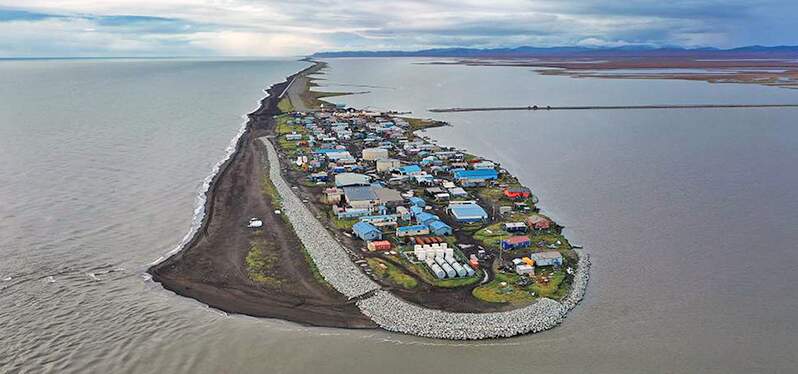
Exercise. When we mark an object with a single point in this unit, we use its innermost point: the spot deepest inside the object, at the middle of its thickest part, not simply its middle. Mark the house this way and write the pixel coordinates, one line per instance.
(333, 195)
(373, 154)
(538, 222)
(379, 245)
(366, 231)
(348, 213)
(515, 242)
(467, 212)
(417, 201)
(351, 179)
(361, 197)
(458, 192)
(319, 177)
(483, 165)
(552, 258)
(414, 230)
(409, 170)
(387, 164)
(387, 196)
(416, 210)
(425, 218)
(517, 192)
(478, 177)
(440, 228)
(293, 136)
(381, 220)
(404, 213)
(524, 269)
(424, 180)
(515, 227)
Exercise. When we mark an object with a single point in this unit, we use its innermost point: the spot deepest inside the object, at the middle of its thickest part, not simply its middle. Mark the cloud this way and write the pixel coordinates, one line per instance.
(250, 27)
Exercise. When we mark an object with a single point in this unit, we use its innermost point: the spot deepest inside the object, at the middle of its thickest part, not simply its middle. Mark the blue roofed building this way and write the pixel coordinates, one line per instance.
(409, 170)
(440, 228)
(417, 201)
(366, 231)
(414, 230)
(474, 177)
(467, 212)
(425, 218)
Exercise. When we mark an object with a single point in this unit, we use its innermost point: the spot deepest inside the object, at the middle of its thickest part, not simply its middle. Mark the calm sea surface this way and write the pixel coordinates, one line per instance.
(689, 216)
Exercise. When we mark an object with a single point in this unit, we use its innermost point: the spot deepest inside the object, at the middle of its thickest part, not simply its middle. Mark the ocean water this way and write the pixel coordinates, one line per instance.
(689, 216)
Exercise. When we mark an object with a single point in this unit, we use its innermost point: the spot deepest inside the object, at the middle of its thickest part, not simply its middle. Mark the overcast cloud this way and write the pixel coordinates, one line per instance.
(286, 28)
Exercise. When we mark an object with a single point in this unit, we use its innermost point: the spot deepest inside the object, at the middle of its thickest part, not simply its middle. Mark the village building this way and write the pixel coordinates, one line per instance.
(417, 201)
(515, 242)
(409, 170)
(517, 192)
(351, 179)
(387, 164)
(515, 227)
(440, 228)
(538, 222)
(366, 231)
(379, 245)
(384, 220)
(373, 154)
(414, 230)
(468, 212)
(551, 258)
(361, 197)
(472, 178)
(333, 195)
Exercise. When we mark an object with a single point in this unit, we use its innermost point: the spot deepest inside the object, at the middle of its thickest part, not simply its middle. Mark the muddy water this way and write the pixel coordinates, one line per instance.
(689, 217)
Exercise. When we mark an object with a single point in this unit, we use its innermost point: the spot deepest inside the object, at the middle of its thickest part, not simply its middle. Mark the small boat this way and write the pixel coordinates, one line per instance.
(255, 223)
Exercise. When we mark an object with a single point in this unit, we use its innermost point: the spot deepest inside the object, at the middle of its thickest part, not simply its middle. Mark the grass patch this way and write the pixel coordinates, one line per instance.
(492, 235)
(259, 265)
(283, 126)
(419, 124)
(342, 224)
(268, 189)
(387, 270)
(494, 292)
(285, 105)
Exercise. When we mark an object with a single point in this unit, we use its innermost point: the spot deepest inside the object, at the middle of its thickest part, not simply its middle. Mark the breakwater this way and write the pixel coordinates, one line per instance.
(612, 107)
(394, 314)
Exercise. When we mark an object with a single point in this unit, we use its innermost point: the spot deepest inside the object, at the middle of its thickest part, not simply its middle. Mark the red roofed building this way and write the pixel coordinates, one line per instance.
(517, 193)
(379, 245)
(515, 242)
(536, 221)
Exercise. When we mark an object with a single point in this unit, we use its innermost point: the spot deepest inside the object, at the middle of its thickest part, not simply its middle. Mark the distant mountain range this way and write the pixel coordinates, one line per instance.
(629, 51)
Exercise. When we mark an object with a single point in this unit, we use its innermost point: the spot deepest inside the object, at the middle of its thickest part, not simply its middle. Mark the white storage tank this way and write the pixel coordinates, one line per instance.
(449, 270)
(438, 271)
(469, 271)
(459, 269)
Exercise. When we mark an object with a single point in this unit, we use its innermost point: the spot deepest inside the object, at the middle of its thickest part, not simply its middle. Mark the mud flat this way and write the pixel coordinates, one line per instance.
(211, 267)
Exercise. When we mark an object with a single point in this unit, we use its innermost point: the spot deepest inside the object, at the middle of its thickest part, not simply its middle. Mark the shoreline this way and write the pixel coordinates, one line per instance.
(208, 267)
(186, 271)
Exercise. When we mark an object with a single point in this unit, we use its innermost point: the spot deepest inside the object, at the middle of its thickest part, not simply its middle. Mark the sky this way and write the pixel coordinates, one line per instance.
(141, 28)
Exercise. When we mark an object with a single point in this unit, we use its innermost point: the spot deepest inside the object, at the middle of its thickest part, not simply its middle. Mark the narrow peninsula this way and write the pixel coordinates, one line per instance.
(333, 216)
